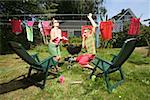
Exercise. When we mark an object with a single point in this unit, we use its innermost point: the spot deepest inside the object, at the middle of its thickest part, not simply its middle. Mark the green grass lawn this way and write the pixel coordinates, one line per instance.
(14, 87)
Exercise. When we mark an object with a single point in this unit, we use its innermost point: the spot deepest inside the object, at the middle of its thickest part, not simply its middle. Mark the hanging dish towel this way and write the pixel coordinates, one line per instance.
(106, 30)
(134, 26)
(16, 26)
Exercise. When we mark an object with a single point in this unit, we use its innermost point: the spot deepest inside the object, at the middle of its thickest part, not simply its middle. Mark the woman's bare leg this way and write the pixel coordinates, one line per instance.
(87, 66)
(57, 58)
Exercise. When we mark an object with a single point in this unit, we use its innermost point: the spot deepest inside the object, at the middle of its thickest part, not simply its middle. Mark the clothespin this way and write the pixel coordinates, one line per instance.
(107, 17)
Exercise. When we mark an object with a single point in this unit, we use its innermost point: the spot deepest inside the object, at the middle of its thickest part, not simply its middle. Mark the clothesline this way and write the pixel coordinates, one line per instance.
(30, 15)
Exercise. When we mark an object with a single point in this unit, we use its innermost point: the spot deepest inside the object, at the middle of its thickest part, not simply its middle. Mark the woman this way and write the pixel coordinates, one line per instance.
(55, 38)
(88, 42)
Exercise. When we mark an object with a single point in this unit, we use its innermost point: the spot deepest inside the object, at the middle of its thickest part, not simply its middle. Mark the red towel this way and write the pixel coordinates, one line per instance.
(85, 59)
(106, 30)
(134, 26)
(16, 26)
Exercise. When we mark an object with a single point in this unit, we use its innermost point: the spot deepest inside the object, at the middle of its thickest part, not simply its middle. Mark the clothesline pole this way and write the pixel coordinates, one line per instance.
(98, 32)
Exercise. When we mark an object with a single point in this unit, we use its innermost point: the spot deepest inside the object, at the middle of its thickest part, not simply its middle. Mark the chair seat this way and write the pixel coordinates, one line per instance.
(102, 64)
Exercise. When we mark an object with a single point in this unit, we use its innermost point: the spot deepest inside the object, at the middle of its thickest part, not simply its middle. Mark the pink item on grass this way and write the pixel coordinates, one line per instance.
(61, 79)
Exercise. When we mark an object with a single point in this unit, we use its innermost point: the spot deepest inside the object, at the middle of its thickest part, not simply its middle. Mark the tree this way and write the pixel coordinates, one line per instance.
(27, 6)
(100, 8)
(75, 6)
(20, 7)
(145, 33)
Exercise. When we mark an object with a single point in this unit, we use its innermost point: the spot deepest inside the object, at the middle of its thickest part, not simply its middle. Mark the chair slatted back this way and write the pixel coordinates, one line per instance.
(127, 48)
(21, 52)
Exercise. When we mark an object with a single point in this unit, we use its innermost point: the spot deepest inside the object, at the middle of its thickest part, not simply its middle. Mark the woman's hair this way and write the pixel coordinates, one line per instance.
(52, 22)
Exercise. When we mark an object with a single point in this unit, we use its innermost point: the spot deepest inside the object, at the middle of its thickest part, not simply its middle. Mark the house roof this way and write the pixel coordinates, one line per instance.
(123, 13)
(147, 20)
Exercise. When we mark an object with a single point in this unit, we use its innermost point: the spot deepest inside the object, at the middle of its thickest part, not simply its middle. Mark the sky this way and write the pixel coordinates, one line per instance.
(141, 8)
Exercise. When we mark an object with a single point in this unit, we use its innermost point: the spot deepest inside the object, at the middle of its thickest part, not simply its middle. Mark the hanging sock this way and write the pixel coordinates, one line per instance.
(16, 26)
(106, 30)
(134, 28)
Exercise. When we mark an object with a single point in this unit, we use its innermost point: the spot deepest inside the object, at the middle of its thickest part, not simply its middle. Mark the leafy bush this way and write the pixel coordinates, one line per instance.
(75, 40)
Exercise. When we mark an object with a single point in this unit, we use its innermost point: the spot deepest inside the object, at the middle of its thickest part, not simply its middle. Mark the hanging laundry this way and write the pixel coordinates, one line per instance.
(30, 23)
(41, 29)
(118, 26)
(46, 27)
(16, 26)
(106, 30)
(134, 28)
(33, 18)
(29, 31)
(45, 30)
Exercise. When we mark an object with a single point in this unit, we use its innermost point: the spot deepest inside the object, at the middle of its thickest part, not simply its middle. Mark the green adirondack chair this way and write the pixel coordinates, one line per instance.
(34, 62)
(115, 64)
